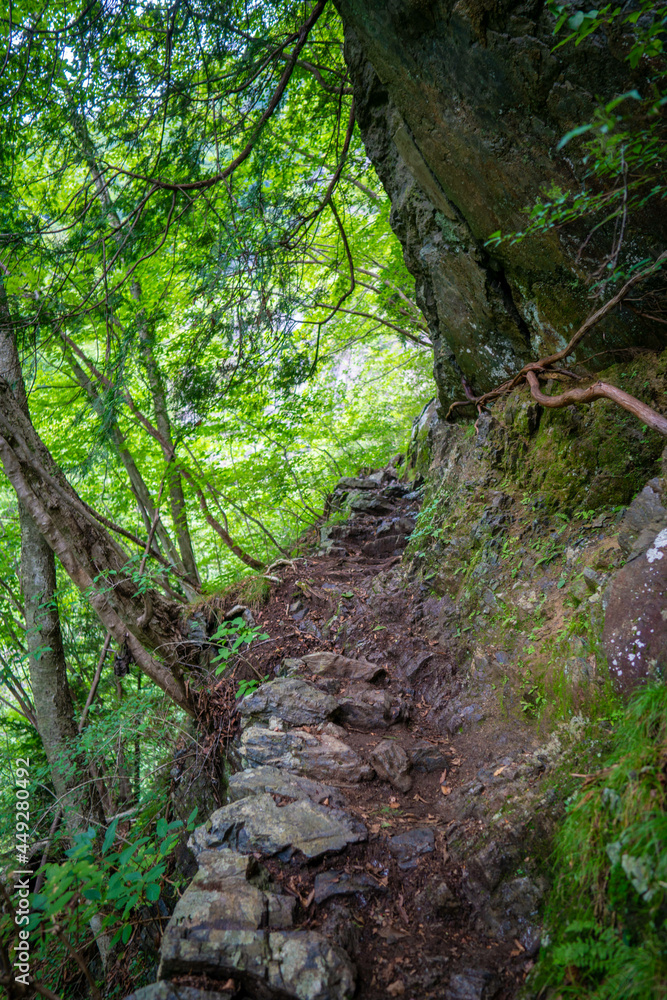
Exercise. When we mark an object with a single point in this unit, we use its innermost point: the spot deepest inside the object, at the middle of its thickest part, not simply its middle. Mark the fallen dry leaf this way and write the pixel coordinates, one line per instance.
(418, 798)
(446, 789)
(443, 777)
(392, 934)
(396, 989)
(401, 909)
(499, 771)
(457, 761)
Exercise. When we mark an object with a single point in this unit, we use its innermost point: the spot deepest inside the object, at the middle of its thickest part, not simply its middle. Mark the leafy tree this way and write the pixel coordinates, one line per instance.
(212, 320)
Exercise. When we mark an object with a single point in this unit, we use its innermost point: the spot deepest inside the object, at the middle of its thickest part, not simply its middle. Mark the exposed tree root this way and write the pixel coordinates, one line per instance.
(599, 390)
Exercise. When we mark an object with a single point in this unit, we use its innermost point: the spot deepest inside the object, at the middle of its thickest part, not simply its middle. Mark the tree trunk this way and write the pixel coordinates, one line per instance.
(48, 678)
(94, 561)
(175, 482)
(54, 710)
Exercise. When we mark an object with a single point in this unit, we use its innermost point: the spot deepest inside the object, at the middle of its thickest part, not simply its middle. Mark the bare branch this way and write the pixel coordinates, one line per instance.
(599, 390)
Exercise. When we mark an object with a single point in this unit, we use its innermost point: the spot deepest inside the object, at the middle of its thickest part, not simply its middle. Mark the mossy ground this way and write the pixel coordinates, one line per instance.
(606, 917)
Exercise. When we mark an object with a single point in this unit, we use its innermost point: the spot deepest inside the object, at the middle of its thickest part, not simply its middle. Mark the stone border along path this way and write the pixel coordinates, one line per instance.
(300, 892)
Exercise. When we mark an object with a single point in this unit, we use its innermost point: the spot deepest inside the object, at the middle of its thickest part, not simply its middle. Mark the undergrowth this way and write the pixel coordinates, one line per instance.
(606, 918)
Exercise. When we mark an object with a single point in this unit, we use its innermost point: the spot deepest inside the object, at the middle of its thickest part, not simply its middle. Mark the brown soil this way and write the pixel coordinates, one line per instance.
(401, 949)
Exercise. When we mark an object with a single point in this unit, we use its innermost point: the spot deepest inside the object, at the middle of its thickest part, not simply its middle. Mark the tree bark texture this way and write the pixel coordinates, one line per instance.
(94, 561)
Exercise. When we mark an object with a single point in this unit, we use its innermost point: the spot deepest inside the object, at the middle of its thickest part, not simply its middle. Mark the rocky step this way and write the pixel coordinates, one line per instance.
(292, 724)
(234, 922)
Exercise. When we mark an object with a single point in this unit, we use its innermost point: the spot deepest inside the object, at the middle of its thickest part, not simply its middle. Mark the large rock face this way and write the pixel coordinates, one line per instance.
(461, 106)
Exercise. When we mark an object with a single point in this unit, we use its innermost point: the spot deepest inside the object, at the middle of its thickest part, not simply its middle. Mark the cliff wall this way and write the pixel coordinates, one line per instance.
(461, 107)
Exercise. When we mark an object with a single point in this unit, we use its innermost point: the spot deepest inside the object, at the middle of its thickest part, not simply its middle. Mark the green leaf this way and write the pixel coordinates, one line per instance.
(109, 836)
(579, 130)
(153, 892)
(125, 855)
(127, 933)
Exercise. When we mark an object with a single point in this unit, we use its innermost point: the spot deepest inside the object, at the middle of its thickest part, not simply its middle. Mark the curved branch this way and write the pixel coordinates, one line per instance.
(247, 149)
(600, 313)
(599, 390)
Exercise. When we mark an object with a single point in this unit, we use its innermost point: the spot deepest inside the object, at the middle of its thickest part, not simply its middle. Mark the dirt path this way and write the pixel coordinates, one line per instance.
(410, 900)
(411, 939)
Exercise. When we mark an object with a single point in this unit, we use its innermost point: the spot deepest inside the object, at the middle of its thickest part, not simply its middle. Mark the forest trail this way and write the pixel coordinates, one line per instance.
(353, 858)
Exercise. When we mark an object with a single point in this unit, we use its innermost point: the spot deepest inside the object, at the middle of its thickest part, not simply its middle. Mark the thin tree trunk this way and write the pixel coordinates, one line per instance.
(175, 482)
(52, 698)
(139, 488)
(95, 562)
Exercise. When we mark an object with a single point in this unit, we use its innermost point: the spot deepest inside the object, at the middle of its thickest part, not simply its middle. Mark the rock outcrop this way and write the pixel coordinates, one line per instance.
(461, 106)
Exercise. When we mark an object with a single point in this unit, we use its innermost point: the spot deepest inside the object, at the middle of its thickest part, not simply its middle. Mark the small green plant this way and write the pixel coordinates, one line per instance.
(235, 634)
(533, 699)
(248, 686)
(585, 515)
(113, 886)
(606, 912)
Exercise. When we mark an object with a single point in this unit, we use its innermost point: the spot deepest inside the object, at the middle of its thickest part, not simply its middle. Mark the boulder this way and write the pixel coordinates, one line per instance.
(295, 701)
(408, 847)
(635, 625)
(391, 763)
(258, 824)
(271, 780)
(364, 707)
(334, 665)
(225, 926)
(321, 756)
(460, 107)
